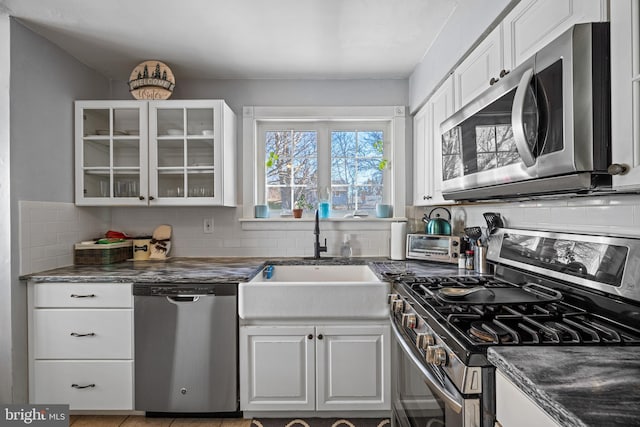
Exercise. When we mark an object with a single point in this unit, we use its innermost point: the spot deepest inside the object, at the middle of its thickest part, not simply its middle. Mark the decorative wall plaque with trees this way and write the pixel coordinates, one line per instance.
(151, 80)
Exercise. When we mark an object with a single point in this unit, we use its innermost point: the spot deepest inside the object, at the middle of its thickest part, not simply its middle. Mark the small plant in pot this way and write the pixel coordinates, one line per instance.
(300, 205)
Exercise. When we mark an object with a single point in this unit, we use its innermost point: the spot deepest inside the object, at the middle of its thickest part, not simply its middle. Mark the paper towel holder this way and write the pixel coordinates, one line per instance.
(397, 245)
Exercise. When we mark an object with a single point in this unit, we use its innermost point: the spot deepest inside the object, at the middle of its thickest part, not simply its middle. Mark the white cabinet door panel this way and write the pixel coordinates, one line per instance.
(84, 385)
(352, 367)
(473, 75)
(515, 409)
(277, 368)
(89, 295)
(532, 24)
(66, 334)
(625, 92)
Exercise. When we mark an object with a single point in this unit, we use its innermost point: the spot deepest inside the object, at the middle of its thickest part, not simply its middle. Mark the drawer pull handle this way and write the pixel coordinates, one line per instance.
(83, 296)
(90, 334)
(83, 386)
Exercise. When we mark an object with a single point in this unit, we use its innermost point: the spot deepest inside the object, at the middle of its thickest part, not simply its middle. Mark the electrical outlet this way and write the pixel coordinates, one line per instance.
(208, 225)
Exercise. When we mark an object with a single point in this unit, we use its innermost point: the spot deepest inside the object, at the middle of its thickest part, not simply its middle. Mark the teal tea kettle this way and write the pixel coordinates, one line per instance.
(436, 224)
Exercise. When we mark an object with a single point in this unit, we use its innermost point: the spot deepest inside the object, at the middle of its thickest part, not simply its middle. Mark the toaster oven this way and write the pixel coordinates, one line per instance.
(430, 247)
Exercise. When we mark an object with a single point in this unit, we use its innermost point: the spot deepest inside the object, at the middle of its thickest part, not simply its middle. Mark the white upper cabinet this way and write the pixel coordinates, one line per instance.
(422, 186)
(427, 146)
(625, 92)
(156, 153)
(481, 69)
(532, 24)
(111, 153)
(192, 153)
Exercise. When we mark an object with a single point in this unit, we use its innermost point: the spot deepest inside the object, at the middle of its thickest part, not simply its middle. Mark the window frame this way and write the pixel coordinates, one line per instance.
(323, 131)
(257, 119)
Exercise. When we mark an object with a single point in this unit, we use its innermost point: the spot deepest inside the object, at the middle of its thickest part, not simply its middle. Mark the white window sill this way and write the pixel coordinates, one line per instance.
(289, 223)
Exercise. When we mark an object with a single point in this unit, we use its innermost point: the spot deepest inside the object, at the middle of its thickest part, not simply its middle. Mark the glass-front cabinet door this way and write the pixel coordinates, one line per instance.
(111, 153)
(185, 152)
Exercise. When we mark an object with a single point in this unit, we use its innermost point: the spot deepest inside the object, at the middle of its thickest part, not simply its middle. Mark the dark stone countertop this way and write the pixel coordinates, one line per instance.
(577, 386)
(216, 269)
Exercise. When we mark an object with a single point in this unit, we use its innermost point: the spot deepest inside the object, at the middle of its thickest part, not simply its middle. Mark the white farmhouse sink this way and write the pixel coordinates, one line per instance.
(314, 292)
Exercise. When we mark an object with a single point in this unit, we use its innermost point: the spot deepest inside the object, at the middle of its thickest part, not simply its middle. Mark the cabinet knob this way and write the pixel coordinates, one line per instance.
(617, 169)
(503, 73)
(426, 197)
(493, 81)
(320, 336)
(151, 198)
(310, 336)
(141, 197)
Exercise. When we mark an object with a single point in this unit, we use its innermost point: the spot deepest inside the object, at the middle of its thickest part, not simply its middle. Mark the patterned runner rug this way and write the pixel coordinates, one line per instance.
(320, 422)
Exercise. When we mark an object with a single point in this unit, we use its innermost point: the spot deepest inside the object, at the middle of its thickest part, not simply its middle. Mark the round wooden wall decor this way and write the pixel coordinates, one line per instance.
(151, 80)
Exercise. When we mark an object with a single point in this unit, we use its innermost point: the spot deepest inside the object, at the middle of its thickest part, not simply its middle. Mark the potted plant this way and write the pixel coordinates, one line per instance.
(300, 205)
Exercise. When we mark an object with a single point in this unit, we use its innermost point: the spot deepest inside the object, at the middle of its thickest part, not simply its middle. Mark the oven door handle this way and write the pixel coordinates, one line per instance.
(517, 120)
(453, 401)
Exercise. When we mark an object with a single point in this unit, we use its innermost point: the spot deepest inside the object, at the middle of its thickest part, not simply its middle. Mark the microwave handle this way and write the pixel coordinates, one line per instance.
(517, 114)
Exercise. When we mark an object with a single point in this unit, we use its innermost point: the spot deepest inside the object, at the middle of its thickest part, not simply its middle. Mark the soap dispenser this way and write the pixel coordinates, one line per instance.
(345, 249)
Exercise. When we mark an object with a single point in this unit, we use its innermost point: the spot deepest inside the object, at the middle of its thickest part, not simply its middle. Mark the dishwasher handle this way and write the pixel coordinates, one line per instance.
(174, 299)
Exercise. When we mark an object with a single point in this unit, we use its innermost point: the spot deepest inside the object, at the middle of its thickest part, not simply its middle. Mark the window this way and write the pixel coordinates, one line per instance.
(343, 162)
(344, 155)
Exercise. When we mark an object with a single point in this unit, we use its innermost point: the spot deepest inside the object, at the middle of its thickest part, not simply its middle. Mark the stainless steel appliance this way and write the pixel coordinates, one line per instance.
(431, 247)
(549, 288)
(543, 128)
(186, 347)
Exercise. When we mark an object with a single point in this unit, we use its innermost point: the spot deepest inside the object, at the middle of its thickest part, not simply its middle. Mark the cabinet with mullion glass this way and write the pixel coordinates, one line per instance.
(111, 153)
(155, 153)
(192, 153)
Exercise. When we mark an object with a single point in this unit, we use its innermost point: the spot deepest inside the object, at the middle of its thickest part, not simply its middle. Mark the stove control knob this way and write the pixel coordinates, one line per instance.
(392, 297)
(397, 306)
(437, 355)
(424, 340)
(409, 320)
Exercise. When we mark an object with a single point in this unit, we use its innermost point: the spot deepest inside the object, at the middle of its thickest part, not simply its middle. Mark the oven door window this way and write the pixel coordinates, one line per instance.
(415, 404)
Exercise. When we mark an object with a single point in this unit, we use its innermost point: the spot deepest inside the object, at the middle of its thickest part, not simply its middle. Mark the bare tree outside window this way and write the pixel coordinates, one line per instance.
(356, 178)
(291, 159)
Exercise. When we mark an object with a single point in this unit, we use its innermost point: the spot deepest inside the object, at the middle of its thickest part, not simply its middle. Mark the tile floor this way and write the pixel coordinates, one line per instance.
(140, 421)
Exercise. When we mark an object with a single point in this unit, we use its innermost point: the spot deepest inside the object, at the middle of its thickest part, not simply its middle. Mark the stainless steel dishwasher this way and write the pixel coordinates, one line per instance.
(186, 348)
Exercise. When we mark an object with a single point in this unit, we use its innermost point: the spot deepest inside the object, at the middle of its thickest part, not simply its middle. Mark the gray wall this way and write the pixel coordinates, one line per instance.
(5, 218)
(45, 81)
(286, 92)
(473, 19)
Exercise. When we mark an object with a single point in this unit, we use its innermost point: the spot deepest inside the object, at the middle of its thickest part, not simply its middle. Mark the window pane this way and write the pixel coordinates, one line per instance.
(305, 171)
(485, 139)
(279, 198)
(368, 196)
(356, 173)
(370, 144)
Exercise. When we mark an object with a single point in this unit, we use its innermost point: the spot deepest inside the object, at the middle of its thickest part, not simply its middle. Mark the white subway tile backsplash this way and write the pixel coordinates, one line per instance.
(604, 214)
(48, 231)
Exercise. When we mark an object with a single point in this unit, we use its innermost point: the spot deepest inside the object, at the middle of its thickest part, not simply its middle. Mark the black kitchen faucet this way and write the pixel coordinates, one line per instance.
(317, 248)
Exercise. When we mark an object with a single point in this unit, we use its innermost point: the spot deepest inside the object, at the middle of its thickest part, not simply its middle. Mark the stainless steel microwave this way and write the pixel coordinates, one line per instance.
(543, 128)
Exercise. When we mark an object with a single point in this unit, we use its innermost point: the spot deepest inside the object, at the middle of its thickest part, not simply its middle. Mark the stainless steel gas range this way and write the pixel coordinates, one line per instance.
(549, 289)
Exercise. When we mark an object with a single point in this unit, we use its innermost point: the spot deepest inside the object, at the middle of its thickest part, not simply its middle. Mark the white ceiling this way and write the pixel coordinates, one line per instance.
(342, 39)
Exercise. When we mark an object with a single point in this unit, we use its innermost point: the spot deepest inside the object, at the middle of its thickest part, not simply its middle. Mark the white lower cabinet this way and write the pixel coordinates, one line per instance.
(516, 409)
(314, 368)
(84, 385)
(81, 345)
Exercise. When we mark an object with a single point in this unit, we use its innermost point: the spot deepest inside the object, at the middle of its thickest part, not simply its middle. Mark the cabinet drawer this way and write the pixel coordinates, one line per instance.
(83, 295)
(111, 329)
(112, 384)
